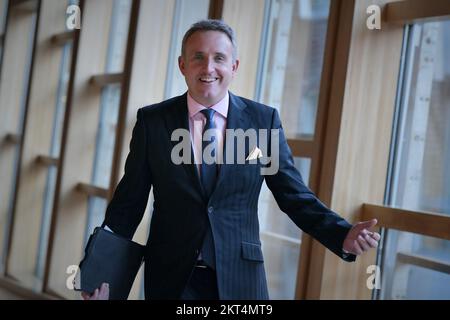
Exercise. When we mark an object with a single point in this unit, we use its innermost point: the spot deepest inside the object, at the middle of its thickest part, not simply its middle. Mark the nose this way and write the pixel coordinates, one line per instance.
(209, 65)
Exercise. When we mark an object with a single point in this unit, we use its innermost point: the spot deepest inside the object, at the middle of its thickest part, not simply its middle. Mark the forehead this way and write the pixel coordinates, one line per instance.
(205, 41)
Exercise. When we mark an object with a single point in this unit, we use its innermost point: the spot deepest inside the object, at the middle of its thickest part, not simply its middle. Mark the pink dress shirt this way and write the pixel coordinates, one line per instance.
(197, 121)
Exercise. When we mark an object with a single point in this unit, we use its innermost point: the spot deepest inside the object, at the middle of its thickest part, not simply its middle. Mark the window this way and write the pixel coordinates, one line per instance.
(416, 266)
(292, 63)
(55, 149)
(17, 52)
(290, 73)
(186, 12)
(109, 110)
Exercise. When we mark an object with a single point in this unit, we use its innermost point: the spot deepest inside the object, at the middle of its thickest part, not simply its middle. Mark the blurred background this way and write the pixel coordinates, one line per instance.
(364, 97)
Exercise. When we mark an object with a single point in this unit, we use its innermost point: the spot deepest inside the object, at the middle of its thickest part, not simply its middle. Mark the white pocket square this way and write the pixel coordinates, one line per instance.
(254, 154)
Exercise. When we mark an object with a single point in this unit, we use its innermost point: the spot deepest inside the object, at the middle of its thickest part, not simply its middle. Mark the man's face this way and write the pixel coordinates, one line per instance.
(208, 66)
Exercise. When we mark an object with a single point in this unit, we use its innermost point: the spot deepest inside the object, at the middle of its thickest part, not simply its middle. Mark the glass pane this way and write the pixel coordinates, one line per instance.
(118, 36)
(186, 13)
(106, 137)
(280, 239)
(109, 111)
(292, 62)
(421, 176)
(55, 146)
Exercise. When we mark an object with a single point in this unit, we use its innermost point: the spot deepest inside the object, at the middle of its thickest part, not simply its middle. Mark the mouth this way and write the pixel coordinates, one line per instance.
(208, 80)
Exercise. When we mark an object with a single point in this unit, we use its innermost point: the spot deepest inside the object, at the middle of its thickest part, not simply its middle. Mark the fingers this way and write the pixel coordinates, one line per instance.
(99, 294)
(363, 243)
(376, 236)
(371, 241)
(357, 248)
(85, 295)
(95, 295)
(104, 292)
(366, 224)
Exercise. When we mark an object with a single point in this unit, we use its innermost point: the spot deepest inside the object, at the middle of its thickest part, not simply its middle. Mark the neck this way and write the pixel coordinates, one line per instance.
(206, 102)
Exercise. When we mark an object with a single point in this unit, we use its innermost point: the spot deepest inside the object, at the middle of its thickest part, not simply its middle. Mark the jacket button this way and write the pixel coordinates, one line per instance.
(210, 209)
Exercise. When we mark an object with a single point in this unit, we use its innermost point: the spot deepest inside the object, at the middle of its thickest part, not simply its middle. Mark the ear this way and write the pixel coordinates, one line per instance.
(235, 66)
(181, 64)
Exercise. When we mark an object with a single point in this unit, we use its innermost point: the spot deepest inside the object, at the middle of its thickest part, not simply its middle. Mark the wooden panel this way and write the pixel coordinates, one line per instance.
(25, 6)
(364, 141)
(12, 138)
(62, 38)
(92, 191)
(332, 81)
(426, 223)
(409, 11)
(101, 80)
(423, 262)
(215, 9)
(146, 87)
(302, 148)
(47, 161)
(149, 65)
(21, 291)
(32, 183)
(246, 18)
(77, 162)
(13, 87)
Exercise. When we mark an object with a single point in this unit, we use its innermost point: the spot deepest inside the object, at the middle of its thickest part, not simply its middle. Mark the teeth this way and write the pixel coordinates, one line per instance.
(208, 79)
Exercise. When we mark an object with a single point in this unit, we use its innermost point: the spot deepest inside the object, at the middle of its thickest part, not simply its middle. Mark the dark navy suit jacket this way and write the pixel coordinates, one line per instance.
(181, 211)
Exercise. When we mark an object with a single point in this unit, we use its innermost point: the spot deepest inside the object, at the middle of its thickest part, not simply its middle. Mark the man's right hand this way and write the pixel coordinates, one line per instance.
(99, 294)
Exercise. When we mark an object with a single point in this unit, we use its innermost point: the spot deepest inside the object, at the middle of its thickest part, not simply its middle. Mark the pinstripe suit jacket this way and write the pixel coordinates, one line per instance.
(181, 212)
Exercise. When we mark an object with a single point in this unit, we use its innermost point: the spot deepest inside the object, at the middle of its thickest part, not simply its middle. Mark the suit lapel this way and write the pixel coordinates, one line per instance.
(237, 118)
(178, 118)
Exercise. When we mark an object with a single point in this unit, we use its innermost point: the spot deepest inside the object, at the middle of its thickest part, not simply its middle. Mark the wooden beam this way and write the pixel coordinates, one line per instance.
(25, 6)
(13, 138)
(47, 160)
(421, 222)
(62, 38)
(215, 9)
(301, 148)
(27, 294)
(92, 191)
(16, 81)
(424, 262)
(409, 11)
(357, 142)
(102, 80)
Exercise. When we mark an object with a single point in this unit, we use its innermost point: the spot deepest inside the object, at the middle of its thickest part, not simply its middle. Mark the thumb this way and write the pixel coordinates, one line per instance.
(366, 224)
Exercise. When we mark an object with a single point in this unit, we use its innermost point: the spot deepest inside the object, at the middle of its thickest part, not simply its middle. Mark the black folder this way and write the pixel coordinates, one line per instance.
(109, 258)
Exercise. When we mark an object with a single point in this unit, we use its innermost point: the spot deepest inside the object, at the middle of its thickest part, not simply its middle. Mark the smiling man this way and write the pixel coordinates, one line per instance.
(208, 62)
(204, 236)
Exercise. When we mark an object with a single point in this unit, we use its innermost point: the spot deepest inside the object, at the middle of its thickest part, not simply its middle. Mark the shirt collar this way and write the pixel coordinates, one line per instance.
(221, 107)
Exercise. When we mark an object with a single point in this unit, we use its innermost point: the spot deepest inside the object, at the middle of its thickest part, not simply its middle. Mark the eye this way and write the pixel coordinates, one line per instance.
(198, 57)
(219, 58)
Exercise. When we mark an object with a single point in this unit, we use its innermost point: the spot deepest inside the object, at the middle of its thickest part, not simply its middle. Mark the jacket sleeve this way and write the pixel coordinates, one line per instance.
(127, 207)
(300, 204)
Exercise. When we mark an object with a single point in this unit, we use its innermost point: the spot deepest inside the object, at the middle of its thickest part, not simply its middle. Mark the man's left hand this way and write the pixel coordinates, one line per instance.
(359, 239)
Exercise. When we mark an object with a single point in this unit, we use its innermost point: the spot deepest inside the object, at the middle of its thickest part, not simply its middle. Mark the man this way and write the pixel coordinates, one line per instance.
(204, 234)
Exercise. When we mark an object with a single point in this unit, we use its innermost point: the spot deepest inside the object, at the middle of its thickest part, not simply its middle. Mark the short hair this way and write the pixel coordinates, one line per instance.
(210, 25)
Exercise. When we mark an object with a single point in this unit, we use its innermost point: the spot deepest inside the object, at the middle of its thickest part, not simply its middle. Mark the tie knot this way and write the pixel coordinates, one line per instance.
(208, 113)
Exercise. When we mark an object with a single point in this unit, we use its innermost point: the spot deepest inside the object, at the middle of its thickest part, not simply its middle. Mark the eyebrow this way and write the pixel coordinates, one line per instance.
(216, 53)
